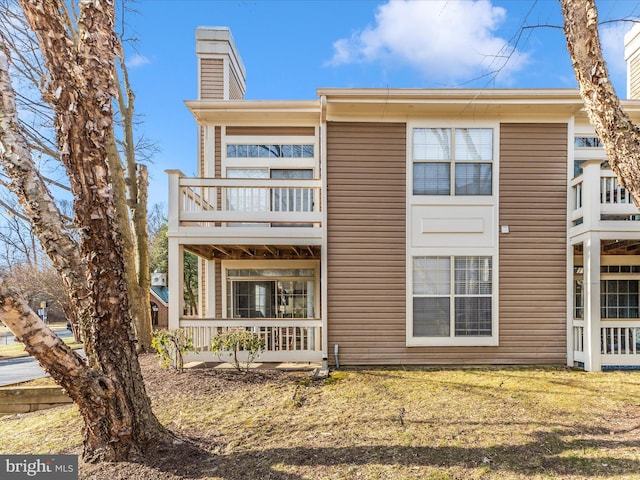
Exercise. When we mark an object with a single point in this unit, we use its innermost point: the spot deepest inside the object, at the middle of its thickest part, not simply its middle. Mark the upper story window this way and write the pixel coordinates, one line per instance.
(587, 142)
(269, 151)
(447, 160)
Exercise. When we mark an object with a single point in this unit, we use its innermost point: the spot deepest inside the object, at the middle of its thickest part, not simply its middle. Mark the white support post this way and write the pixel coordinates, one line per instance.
(210, 305)
(173, 221)
(592, 347)
(176, 283)
(591, 193)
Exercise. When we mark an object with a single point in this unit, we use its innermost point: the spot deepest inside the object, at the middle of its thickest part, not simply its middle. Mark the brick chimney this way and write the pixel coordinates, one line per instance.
(221, 74)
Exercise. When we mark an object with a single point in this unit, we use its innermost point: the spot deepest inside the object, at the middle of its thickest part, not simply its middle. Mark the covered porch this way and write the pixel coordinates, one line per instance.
(251, 251)
(604, 253)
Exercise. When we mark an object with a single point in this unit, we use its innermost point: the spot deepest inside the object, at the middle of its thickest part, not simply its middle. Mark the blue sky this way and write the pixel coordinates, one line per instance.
(291, 48)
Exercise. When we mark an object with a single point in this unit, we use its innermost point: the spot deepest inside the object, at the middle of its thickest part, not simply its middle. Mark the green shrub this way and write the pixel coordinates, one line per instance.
(231, 342)
(170, 346)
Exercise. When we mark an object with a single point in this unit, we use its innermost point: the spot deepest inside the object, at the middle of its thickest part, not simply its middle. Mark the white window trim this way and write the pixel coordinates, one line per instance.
(271, 163)
(452, 198)
(434, 201)
(452, 340)
(268, 265)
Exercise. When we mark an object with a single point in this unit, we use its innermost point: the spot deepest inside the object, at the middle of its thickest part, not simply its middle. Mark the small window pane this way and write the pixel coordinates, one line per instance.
(473, 179)
(263, 151)
(431, 317)
(474, 144)
(231, 151)
(307, 151)
(431, 178)
(431, 144)
(473, 316)
(242, 151)
(587, 142)
(287, 151)
(431, 276)
(473, 275)
(254, 151)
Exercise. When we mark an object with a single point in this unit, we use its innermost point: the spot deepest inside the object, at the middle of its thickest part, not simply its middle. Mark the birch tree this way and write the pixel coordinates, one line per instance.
(129, 183)
(620, 137)
(109, 390)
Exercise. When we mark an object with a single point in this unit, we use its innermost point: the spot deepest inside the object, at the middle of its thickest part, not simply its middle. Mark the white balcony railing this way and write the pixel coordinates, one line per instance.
(225, 202)
(598, 196)
(619, 343)
(295, 340)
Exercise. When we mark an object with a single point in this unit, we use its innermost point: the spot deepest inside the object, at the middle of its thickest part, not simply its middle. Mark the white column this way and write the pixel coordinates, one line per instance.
(210, 304)
(591, 193)
(176, 283)
(592, 361)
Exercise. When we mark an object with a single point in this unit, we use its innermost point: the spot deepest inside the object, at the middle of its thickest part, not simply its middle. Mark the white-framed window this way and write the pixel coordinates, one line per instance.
(271, 289)
(452, 161)
(452, 299)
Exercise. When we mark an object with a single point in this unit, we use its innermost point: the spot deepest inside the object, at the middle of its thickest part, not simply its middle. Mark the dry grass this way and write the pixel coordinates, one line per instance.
(486, 423)
(16, 349)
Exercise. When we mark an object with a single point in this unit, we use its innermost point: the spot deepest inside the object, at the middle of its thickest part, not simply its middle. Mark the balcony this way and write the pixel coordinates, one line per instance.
(246, 211)
(599, 202)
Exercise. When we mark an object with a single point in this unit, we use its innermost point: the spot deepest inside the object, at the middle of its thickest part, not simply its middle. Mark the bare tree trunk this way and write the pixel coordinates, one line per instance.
(139, 219)
(102, 403)
(619, 136)
(136, 199)
(143, 333)
(40, 206)
(81, 89)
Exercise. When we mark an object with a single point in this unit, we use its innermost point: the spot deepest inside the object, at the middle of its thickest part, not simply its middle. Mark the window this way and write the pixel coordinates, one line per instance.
(278, 199)
(458, 160)
(619, 299)
(452, 297)
(269, 151)
(270, 293)
(587, 142)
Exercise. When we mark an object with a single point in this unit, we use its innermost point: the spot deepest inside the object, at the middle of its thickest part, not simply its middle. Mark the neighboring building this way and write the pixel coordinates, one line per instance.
(406, 226)
(159, 297)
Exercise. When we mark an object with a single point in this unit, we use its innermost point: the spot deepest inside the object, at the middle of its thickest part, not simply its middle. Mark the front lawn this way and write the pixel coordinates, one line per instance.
(484, 423)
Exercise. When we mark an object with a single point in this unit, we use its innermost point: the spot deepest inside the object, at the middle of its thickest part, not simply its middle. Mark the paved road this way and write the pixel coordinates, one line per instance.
(14, 370)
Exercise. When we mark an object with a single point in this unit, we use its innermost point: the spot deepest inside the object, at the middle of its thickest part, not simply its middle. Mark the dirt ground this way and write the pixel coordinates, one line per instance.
(195, 452)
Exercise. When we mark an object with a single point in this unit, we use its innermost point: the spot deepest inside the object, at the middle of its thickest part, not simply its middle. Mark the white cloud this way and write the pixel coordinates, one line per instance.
(137, 60)
(445, 40)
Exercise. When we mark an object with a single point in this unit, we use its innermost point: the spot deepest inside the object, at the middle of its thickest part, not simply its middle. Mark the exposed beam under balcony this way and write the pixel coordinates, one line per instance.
(238, 252)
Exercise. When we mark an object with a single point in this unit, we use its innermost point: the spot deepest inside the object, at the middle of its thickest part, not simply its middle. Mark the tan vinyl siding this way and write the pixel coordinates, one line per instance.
(203, 285)
(533, 196)
(366, 248)
(272, 131)
(634, 78)
(201, 159)
(366, 239)
(218, 275)
(211, 79)
(235, 92)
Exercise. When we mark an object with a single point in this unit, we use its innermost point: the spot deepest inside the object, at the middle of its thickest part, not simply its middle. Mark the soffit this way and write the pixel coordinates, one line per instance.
(481, 103)
(255, 112)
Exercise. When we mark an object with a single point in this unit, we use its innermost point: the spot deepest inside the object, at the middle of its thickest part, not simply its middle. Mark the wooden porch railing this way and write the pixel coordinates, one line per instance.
(263, 202)
(297, 340)
(619, 342)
